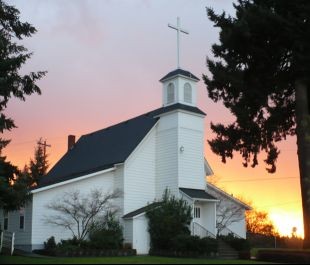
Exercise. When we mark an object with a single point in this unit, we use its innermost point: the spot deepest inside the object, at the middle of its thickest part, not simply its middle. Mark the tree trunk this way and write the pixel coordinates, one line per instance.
(303, 144)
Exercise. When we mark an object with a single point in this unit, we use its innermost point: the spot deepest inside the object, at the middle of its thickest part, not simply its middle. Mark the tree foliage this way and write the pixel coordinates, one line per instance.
(168, 218)
(79, 212)
(258, 222)
(13, 186)
(13, 56)
(261, 54)
(261, 73)
(39, 165)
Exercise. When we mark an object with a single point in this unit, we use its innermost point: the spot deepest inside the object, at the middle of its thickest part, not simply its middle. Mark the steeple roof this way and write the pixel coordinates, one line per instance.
(179, 72)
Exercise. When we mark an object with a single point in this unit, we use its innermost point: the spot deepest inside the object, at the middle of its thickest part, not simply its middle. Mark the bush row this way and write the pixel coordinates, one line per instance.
(285, 256)
(189, 246)
(79, 252)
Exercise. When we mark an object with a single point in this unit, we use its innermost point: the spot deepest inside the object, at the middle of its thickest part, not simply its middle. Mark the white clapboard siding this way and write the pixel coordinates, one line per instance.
(139, 184)
(41, 230)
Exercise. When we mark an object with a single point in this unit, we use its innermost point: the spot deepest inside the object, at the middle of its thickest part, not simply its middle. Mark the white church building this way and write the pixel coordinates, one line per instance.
(161, 149)
(143, 156)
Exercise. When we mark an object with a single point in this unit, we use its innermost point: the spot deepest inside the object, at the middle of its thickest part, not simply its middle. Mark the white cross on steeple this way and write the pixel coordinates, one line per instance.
(178, 29)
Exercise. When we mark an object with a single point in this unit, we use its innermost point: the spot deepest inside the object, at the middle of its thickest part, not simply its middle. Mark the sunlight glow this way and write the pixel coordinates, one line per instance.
(285, 221)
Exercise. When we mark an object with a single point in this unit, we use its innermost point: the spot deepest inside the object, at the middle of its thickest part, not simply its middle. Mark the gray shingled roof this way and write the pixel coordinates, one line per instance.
(104, 148)
(141, 210)
(179, 72)
(197, 194)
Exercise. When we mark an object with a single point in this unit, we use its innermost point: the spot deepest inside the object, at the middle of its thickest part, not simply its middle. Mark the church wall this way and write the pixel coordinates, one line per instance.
(207, 214)
(22, 236)
(41, 230)
(239, 227)
(119, 185)
(166, 155)
(191, 159)
(141, 236)
(139, 176)
(128, 231)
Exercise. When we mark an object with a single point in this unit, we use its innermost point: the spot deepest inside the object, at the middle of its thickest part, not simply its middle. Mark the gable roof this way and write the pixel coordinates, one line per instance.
(179, 72)
(198, 194)
(229, 197)
(103, 149)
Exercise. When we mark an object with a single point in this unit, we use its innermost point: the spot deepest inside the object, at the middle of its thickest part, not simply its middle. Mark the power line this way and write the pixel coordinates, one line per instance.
(284, 203)
(253, 180)
(33, 141)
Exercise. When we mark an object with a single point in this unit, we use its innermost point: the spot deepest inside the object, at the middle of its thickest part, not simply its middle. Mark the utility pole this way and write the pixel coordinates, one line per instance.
(44, 146)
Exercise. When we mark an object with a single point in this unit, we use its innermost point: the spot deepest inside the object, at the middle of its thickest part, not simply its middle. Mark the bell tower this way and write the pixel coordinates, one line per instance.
(179, 86)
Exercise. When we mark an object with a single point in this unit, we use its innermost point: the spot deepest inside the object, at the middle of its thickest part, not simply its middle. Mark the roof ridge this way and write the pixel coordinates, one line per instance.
(116, 124)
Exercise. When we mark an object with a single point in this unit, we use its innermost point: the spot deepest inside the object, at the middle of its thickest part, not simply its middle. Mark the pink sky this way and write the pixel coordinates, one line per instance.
(104, 60)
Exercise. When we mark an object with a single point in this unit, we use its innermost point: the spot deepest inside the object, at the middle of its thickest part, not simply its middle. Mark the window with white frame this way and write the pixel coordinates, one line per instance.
(6, 221)
(188, 93)
(197, 212)
(22, 218)
(170, 93)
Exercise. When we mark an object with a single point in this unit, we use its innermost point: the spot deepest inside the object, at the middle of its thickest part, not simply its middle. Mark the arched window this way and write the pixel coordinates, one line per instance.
(187, 93)
(170, 93)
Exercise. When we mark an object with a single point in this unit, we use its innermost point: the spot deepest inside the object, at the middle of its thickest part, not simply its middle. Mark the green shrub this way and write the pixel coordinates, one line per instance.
(188, 243)
(168, 219)
(50, 244)
(239, 244)
(107, 235)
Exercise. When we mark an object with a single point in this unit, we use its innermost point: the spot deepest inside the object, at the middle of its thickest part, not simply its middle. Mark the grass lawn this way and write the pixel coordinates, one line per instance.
(118, 260)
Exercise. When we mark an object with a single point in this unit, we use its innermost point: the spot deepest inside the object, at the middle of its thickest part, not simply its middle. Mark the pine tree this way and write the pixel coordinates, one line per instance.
(39, 165)
(13, 56)
(261, 74)
(14, 184)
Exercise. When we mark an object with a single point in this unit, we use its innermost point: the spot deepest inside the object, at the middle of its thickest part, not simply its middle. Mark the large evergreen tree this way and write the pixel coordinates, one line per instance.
(261, 73)
(12, 84)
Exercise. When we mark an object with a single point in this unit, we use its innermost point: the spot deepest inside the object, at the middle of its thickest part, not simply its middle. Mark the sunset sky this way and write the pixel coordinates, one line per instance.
(104, 59)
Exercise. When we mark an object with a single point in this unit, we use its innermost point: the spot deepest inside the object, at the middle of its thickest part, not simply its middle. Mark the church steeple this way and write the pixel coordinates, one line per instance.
(179, 86)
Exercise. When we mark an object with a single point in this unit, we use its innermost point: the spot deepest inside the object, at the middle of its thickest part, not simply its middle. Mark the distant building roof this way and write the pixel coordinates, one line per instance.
(197, 194)
(104, 148)
(179, 72)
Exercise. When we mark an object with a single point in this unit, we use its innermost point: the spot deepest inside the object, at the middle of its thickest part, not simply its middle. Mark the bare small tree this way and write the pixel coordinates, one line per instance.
(227, 214)
(229, 209)
(79, 212)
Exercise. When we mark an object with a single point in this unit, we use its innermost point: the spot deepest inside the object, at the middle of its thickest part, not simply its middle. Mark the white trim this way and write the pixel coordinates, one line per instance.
(207, 166)
(72, 180)
(206, 200)
(180, 110)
